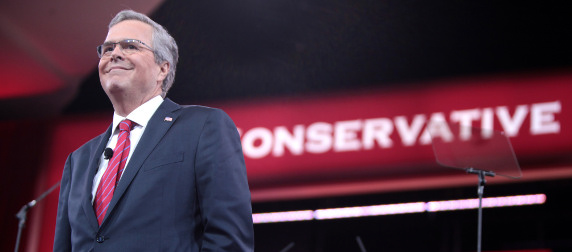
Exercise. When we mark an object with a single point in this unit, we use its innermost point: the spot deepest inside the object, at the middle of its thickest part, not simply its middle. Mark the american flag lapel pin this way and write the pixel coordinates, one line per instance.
(168, 119)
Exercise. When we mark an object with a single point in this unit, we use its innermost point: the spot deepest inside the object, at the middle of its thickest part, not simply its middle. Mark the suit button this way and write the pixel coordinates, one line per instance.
(99, 239)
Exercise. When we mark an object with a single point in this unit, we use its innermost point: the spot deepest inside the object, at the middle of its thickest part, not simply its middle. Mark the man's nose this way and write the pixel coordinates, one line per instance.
(117, 53)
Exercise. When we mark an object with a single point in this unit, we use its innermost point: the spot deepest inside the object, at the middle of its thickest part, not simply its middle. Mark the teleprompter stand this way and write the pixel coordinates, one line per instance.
(482, 182)
(486, 153)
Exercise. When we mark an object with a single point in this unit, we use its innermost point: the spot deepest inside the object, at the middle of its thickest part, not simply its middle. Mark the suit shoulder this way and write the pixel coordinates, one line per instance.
(206, 114)
(202, 110)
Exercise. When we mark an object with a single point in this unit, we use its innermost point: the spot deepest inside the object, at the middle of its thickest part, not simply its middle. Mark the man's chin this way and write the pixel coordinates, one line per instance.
(113, 87)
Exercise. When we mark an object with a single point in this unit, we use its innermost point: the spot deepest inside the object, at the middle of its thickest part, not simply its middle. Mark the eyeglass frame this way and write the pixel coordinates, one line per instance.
(101, 54)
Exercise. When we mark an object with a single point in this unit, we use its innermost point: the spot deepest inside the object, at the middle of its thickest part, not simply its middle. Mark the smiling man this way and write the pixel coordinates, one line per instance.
(163, 177)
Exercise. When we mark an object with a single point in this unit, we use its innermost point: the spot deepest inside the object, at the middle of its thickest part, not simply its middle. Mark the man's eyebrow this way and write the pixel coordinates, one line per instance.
(111, 41)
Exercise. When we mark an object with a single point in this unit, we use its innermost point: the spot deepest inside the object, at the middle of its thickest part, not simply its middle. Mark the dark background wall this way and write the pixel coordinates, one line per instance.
(240, 50)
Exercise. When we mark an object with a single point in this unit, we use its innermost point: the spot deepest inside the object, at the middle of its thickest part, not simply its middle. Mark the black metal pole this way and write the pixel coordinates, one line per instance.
(481, 189)
(22, 214)
(482, 181)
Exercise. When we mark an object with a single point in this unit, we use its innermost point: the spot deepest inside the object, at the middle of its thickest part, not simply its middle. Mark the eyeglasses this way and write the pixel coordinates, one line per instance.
(128, 46)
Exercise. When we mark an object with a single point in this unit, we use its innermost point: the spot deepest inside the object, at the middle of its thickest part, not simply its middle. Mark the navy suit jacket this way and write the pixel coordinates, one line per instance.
(184, 189)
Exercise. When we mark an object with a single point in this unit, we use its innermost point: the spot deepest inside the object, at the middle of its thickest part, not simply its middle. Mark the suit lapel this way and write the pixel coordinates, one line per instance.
(156, 128)
(93, 165)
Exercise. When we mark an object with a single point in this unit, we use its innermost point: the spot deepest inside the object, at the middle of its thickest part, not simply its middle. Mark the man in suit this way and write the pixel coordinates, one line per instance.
(175, 180)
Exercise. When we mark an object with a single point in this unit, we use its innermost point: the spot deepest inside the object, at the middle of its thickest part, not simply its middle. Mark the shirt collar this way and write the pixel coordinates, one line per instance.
(142, 114)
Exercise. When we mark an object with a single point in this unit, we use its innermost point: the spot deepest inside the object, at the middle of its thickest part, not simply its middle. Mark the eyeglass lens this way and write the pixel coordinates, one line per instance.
(129, 46)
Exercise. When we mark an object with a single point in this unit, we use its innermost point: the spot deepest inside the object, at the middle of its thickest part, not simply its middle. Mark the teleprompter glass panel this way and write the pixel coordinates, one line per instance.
(464, 147)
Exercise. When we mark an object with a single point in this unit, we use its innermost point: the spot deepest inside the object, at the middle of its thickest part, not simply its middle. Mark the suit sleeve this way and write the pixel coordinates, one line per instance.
(222, 187)
(62, 238)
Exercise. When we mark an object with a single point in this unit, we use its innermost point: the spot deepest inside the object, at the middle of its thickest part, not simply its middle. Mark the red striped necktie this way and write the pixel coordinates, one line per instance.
(114, 169)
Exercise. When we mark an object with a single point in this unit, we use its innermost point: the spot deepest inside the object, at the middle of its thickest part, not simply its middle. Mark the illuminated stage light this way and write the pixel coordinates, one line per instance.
(348, 212)
(402, 208)
(283, 216)
(520, 200)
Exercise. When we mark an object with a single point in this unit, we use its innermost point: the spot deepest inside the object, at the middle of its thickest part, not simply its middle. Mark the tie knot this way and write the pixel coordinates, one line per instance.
(126, 125)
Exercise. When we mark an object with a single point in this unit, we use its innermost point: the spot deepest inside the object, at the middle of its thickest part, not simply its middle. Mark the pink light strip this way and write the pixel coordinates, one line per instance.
(283, 216)
(520, 200)
(348, 212)
(401, 208)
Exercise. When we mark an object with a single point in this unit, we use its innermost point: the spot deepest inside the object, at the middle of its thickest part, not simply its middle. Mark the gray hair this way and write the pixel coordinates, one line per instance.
(164, 46)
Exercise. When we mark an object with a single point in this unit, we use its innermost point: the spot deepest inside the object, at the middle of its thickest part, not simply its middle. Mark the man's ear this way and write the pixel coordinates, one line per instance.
(164, 70)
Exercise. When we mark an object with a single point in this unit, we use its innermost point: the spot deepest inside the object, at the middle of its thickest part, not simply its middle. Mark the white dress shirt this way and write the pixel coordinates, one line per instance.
(140, 116)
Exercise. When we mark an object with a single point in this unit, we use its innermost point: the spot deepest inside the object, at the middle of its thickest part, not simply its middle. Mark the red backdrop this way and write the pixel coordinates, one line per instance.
(362, 141)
